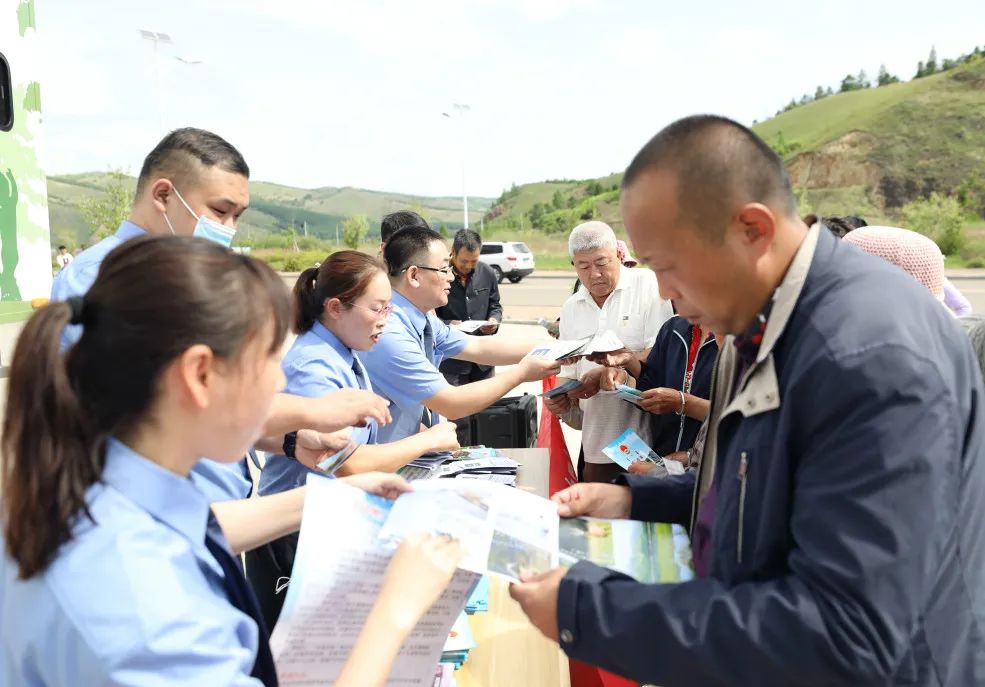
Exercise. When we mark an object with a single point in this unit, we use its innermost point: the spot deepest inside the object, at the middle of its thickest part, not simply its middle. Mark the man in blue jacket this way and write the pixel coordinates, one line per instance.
(837, 515)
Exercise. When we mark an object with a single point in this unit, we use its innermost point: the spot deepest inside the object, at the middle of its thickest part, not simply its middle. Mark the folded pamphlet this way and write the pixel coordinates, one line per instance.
(469, 326)
(603, 342)
(628, 393)
(629, 448)
(569, 385)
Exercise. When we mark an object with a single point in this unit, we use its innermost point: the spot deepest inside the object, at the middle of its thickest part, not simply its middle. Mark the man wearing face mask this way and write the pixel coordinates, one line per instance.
(194, 183)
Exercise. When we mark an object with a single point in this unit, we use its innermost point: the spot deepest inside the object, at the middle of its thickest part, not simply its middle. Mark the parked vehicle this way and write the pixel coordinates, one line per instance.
(510, 260)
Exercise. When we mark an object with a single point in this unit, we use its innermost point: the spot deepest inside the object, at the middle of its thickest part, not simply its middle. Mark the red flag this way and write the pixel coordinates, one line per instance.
(550, 436)
(562, 476)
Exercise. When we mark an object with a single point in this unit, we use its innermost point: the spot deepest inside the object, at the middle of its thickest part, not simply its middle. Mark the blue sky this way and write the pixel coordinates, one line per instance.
(326, 93)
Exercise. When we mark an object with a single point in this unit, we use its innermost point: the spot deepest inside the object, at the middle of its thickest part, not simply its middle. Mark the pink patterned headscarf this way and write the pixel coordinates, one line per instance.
(916, 254)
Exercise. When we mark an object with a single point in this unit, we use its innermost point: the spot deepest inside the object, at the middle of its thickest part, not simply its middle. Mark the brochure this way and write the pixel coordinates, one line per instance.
(603, 342)
(470, 326)
(569, 385)
(628, 393)
(647, 551)
(629, 448)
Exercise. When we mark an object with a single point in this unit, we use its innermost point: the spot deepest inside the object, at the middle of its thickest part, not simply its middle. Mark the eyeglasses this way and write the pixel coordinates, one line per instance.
(443, 270)
(381, 313)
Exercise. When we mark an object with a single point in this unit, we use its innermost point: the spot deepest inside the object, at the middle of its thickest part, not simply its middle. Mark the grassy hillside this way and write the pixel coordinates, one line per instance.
(273, 208)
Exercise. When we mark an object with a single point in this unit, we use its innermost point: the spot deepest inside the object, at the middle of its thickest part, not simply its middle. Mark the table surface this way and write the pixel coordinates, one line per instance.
(509, 651)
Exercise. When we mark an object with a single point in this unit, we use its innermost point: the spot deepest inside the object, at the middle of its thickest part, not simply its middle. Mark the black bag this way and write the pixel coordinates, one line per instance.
(508, 423)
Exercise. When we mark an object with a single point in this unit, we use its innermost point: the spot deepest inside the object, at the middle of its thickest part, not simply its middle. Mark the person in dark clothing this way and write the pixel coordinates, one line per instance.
(676, 381)
(836, 513)
(474, 295)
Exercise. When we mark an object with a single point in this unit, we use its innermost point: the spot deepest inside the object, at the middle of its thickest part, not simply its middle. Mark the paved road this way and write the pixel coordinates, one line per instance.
(542, 296)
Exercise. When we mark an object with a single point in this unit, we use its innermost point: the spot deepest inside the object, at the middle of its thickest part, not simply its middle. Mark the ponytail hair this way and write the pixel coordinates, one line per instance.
(153, 299)
(344, 275)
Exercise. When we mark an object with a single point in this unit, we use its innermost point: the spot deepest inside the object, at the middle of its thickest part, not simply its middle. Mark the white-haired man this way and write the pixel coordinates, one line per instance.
(624, 301)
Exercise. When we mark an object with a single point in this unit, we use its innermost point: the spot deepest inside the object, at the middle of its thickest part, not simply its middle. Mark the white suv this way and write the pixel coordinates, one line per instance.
(512, 260)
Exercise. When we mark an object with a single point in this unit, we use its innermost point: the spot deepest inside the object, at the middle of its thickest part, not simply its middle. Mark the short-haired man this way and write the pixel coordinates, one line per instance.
(611, 298)
(395, 221)
(474, 296)
(403, 365)
(194, 182)
(838, 534)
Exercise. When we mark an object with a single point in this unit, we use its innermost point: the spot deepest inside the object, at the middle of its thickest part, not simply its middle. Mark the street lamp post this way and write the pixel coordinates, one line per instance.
(157, 38)
(462, 108)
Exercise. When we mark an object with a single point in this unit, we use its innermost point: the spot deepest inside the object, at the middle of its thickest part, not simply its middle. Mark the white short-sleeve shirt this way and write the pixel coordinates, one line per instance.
(635, 312)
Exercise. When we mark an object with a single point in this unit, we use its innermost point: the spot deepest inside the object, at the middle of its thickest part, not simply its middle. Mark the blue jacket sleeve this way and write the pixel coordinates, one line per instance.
(863, 559)
(661, 499)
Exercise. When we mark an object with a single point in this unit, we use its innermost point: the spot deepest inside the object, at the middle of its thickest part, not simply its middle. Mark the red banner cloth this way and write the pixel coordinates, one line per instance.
(562, 475)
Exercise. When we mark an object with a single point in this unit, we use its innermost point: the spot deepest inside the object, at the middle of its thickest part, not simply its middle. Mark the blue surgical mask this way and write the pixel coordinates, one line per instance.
(206, 228)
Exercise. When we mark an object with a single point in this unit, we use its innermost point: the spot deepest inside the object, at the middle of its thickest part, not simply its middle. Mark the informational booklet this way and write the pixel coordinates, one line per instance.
(470, 326)
(348, 538)
(628, 448)
(628, 393)
(603, 342)
(337, 577)
(647, 551)
(569, 385)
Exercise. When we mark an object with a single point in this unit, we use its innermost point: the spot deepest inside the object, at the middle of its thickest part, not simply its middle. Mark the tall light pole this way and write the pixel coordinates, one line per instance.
(462, 108)
(157, 38)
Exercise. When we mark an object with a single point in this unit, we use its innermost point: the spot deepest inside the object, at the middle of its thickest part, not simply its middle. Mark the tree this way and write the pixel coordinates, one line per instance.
(819, 93)
(105, 213)
(941, 218)
(931, 67)
(885, 78)
(862, 79)
(921, 71)
(971, 195)
(849, 83)
(830, 91)
(557, 201)
(354, 228)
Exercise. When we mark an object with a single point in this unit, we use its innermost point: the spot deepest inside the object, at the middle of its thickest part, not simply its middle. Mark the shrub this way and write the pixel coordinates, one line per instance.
(941, 218)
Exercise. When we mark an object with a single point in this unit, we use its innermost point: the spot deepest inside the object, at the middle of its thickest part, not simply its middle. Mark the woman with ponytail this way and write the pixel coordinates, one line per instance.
(340, 309)
(114, 570)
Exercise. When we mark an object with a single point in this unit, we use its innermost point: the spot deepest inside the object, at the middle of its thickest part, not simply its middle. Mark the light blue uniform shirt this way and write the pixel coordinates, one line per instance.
(316, 364)
(219, 481)
(134, 599)
(403, 372)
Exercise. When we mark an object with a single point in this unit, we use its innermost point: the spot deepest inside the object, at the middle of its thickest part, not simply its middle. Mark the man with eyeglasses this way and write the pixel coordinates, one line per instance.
(610, 298)
(404, 364)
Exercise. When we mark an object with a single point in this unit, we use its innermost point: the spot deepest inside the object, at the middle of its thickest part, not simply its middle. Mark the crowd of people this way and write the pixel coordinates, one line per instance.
(810, 375)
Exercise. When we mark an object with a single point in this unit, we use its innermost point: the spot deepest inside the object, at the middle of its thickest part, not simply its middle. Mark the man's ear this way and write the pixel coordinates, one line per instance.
(159, 192)
(755, 225)
(413, 277)
(192, 375)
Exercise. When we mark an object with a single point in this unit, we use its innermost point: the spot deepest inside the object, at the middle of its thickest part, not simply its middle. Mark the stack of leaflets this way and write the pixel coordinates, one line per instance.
(569, 385)
(348, 537)
(629, 448)
(459, 643)
(479, 600)
(603, 342)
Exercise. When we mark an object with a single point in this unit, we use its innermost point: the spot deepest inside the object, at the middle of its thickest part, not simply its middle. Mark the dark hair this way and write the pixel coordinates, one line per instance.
(407, 247)
(343, 275)
(180, 154)
(854, 221)
(810, 220)
(837, 226)
(467, 239)
(401, 219)
(62, 248)
(154, 297)
(717, 162)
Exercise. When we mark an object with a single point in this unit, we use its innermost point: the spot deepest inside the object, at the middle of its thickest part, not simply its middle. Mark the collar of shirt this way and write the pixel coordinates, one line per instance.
(322, 332)
(748, 342)
(409, 314)
(128, 230)
(583, 294)
(169, 498)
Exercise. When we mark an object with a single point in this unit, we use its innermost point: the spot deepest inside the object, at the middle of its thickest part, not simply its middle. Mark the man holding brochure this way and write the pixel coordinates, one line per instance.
(836, 526)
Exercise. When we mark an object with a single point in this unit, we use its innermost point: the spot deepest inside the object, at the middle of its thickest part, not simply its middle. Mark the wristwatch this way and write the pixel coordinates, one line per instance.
(290, 443)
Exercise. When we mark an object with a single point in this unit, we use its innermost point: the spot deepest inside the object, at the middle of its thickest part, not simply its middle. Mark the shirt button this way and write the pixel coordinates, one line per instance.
(567, 637)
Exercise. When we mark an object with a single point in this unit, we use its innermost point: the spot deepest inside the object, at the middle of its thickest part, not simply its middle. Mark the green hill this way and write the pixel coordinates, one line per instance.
(864, 152)
(273, 208)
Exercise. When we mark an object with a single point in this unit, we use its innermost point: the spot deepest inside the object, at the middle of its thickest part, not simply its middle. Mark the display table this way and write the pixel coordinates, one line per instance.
(509, 651)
